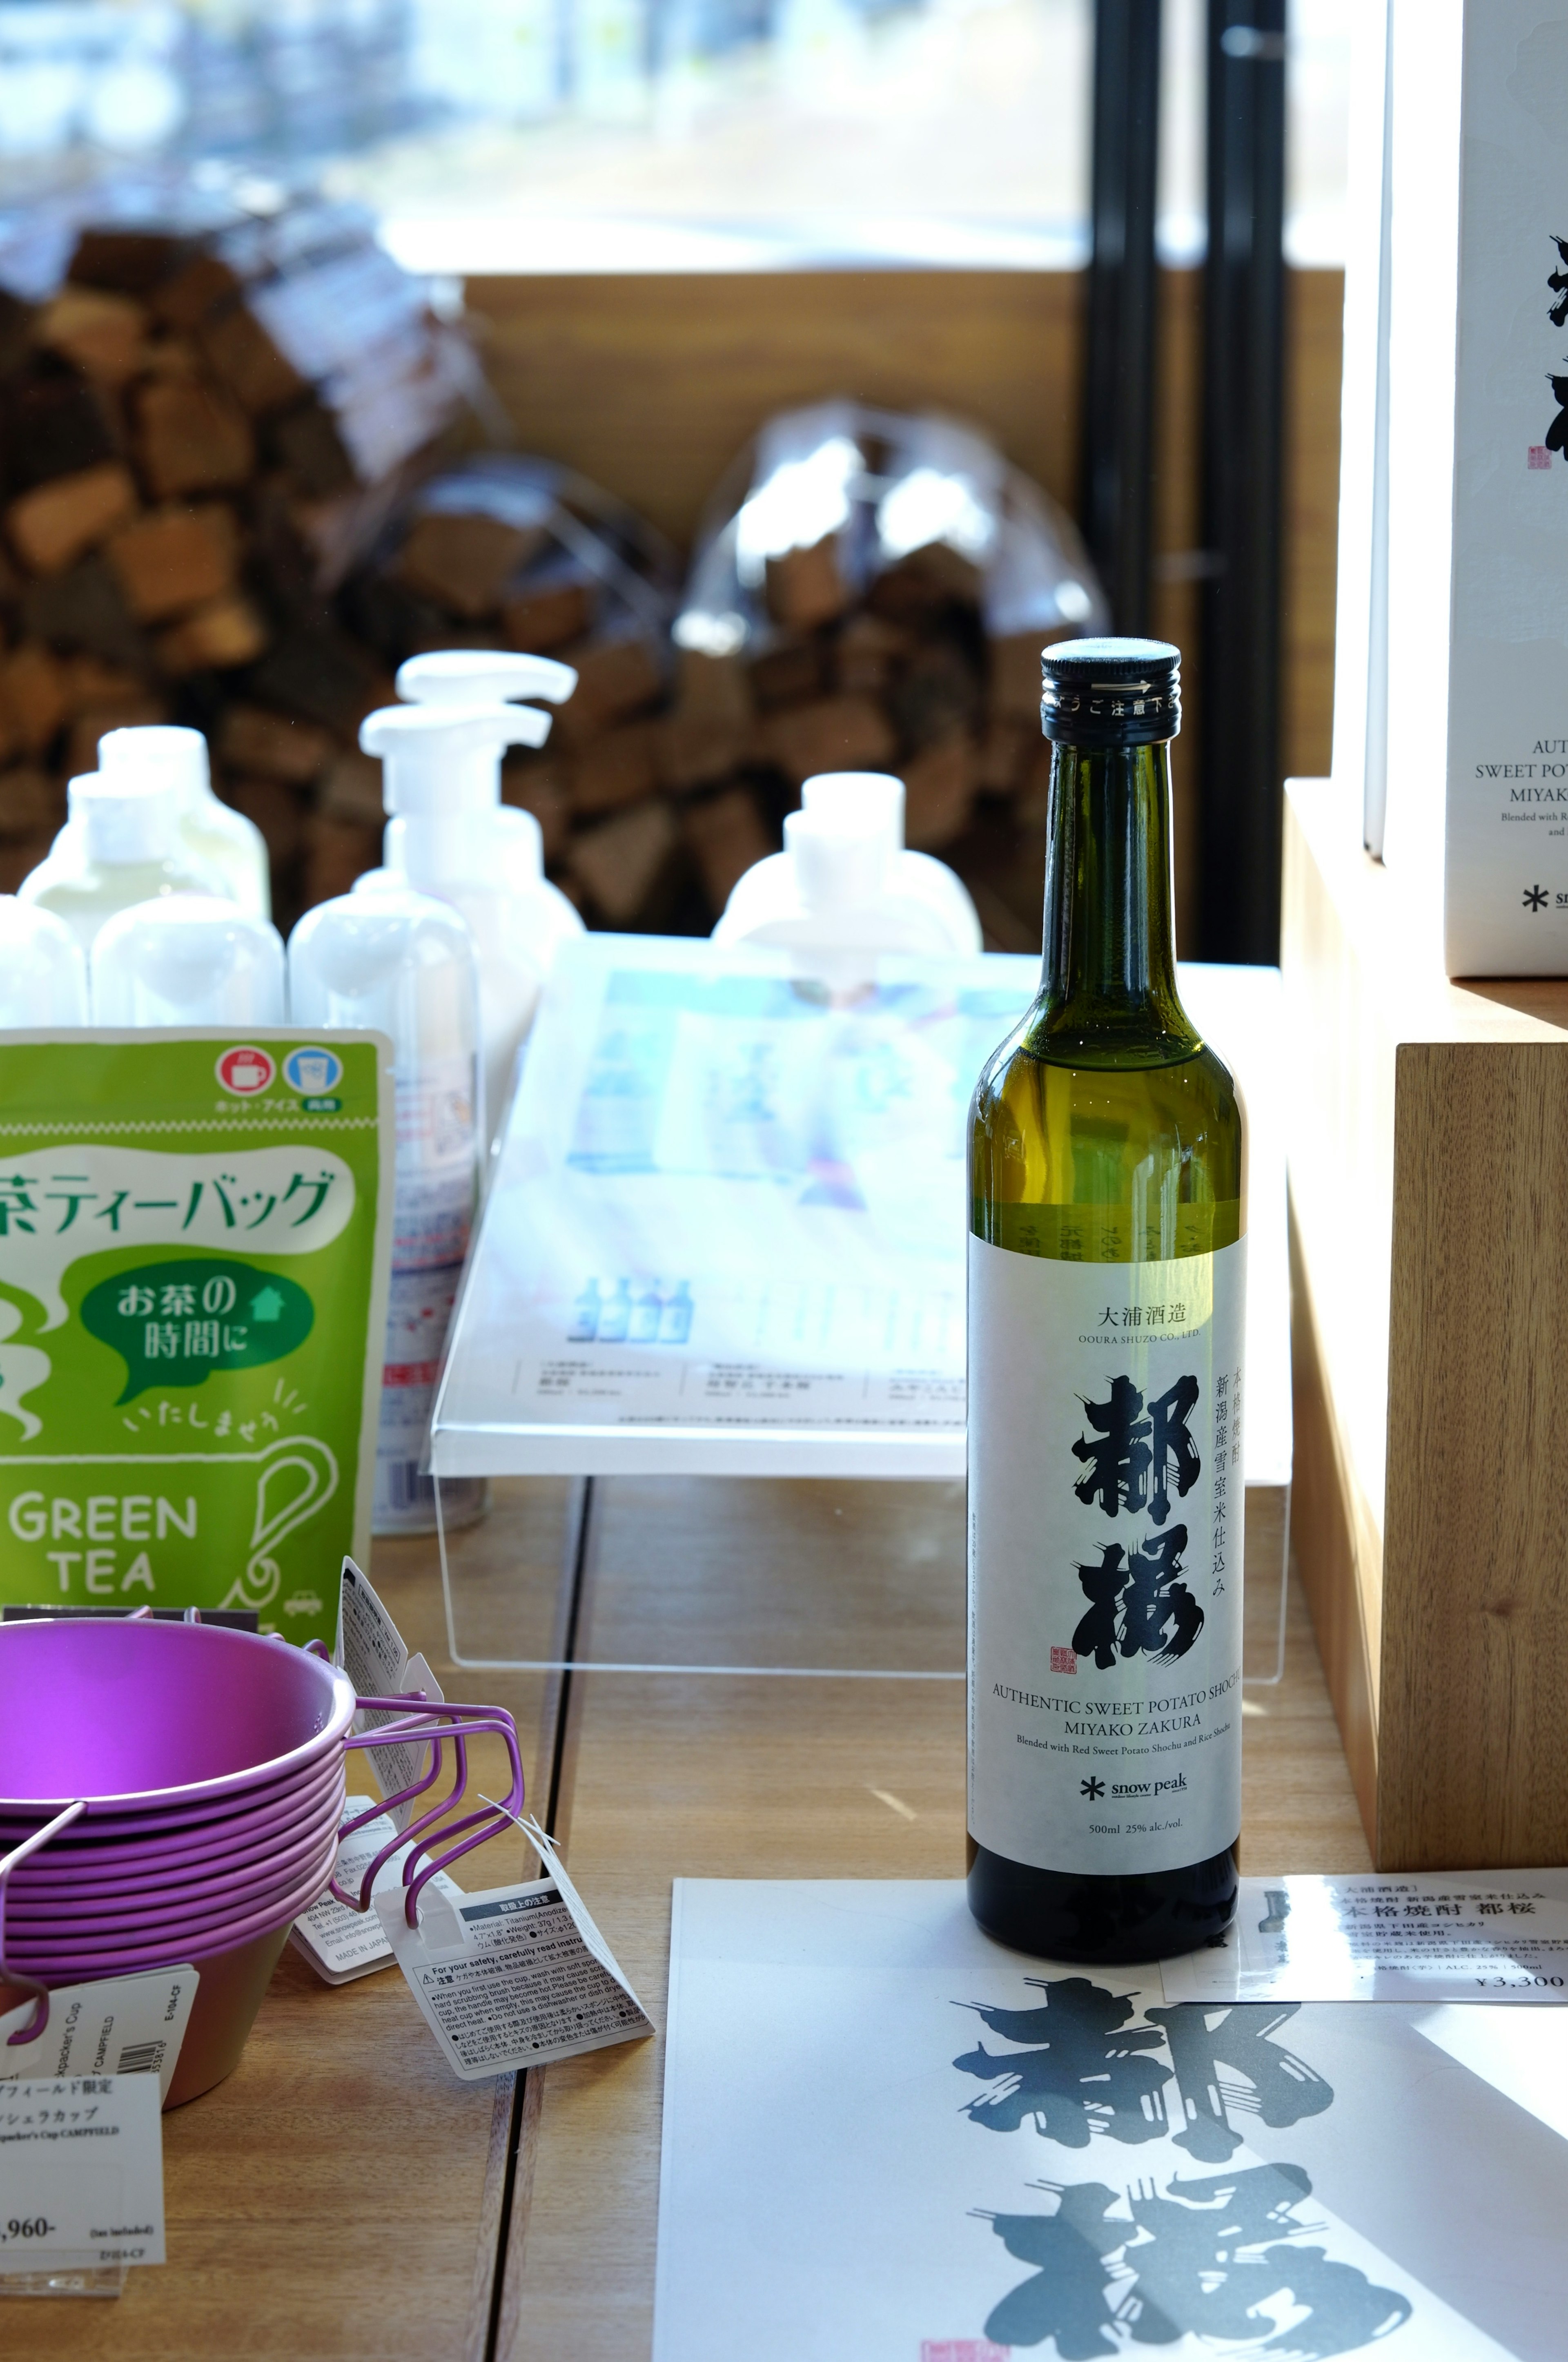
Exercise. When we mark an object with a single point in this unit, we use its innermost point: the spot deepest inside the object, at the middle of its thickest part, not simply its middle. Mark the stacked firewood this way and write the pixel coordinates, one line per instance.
(199, 432)
(669, 772)
(516, 553)
(229, 497)
(901, 679)
(905, 637)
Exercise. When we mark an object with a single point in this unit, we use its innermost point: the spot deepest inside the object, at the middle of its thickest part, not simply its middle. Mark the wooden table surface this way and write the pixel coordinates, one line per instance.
(341, 2195)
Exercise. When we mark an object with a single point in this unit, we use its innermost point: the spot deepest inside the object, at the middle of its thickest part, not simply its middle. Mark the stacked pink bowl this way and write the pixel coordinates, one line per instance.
(210, 1763)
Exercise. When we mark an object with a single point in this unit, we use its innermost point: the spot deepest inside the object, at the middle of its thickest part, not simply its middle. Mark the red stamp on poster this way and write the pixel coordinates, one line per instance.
(1063, 1661)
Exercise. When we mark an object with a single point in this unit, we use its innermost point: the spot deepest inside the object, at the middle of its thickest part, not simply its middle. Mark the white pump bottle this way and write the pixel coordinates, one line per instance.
(447, 837)
(220, 838)
(43, 976)
(497, 677)
(188, 959)
(845, 886)
(405, 964)
(126, 849)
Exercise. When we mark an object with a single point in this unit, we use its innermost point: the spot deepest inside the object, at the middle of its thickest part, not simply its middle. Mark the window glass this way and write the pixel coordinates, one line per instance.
(660, 134)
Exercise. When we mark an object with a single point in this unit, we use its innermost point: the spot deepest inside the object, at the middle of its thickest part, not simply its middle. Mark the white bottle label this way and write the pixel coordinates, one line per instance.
(1105, 1499)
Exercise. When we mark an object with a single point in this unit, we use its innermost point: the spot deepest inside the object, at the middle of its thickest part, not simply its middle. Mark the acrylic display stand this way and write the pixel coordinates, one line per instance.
(727, 1234)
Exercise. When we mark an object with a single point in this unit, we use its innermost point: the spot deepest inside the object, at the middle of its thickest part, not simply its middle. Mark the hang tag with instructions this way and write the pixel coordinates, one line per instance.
(515, 1977)
(340, 1943)
(119, 2026)
(368, 1647)
(373, 1653)
(81, 2173)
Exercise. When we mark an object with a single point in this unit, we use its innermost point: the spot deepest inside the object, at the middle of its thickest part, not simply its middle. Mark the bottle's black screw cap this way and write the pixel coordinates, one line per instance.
(1103, 693)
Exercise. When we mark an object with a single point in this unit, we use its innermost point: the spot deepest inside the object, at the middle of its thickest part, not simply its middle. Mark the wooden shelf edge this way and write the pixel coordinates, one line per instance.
(1429, 1245)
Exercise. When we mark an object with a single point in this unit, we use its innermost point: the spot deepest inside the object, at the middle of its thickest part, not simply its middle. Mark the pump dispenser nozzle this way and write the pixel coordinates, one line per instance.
(450, 836)
(844, 837)
(444, 759)
(125, 823)
(218, 836)
(846, 888)
(483, 677)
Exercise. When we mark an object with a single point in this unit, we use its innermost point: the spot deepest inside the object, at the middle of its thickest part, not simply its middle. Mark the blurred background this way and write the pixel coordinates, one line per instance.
(276, 279)
(555, 134)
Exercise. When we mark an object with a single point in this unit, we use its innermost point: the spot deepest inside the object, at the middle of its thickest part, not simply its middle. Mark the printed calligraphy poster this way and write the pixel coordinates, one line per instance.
(194, 1241)
(887, 2136)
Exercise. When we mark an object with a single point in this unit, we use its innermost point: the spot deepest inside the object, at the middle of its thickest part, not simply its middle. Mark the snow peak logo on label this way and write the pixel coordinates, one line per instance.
(1139, 1606)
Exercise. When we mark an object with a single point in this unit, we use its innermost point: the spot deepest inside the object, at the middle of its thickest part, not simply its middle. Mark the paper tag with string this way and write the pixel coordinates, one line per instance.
(374, 1654)
(517, 1976)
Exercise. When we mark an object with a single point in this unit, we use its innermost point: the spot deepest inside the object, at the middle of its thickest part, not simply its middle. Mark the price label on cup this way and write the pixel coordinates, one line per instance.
(81, 2173)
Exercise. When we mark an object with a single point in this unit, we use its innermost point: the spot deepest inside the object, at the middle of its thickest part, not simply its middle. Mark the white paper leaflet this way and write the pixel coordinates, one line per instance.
(515, 1976)
(889, 2138)
(1409, 1936)
(81, 2172)
(119, 2025)
(728, 1222)
(341, 1944)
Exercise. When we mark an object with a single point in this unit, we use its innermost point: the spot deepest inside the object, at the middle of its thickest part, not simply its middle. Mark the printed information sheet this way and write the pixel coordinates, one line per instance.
(727, 1230)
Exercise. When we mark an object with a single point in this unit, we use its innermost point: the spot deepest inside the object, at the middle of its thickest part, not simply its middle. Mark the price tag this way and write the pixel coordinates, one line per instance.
(341, 1944)
(81, 2173)
(120, 2026)
(515, 1977)
(1416, 1936)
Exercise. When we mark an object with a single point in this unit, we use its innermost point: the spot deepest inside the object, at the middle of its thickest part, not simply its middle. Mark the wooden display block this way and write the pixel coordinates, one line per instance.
(1429, 1159)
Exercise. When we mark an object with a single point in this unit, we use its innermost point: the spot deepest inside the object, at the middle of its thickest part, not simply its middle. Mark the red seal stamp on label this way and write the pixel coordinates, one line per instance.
(245, 1071)
(1063, 1661)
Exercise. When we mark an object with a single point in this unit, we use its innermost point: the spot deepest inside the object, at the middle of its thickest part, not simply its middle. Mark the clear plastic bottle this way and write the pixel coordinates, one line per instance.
(222, 839)
(43, 976)
(124, 848)
(447, 837)
(405, 964)
(845, 886)
(501, 677)
(188, 959)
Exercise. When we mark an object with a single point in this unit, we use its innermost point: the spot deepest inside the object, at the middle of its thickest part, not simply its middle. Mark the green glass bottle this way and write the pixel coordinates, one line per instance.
(1106, 1283)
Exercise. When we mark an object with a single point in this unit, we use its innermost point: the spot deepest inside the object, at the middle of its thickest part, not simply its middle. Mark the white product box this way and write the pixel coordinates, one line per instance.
(1451, 687)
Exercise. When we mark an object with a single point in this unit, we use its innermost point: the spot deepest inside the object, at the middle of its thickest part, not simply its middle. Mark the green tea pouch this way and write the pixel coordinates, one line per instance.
(196, 1235)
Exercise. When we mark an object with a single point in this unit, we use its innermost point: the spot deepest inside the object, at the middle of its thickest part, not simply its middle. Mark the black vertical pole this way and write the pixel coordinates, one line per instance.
(1118, 406)
(1242, 458)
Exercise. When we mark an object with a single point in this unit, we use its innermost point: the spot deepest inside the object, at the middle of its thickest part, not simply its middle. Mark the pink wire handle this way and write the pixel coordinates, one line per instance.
(492, 1821)
(401, 1837)
(37, 2024)
(430, 1721)
(439, 1719)
(413, 1839)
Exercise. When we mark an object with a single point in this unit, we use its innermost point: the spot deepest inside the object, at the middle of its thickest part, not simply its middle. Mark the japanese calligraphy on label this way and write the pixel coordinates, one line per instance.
(1105, 1559)
(192, 1297)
